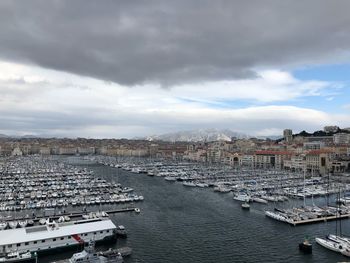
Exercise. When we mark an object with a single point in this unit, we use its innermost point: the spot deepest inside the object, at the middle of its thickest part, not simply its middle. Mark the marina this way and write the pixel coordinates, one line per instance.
(251, 198)
(257, 184)
(218, 220)
(33, 183)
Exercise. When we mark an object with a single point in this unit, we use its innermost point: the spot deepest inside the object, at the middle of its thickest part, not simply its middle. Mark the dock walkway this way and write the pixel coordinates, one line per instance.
(317, 220)
(71, 214)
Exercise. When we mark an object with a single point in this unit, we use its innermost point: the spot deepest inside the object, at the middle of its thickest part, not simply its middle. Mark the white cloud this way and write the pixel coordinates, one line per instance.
(39, 101)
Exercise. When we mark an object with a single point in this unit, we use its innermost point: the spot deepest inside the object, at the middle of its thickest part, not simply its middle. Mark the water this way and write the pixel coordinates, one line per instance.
(181, 224)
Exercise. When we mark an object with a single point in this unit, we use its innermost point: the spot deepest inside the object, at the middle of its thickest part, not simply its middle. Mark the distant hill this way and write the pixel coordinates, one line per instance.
(199, 135)
(18, 137)
(321, 133)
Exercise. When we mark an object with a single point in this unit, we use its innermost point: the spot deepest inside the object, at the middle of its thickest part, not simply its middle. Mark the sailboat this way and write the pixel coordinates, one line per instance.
(336, 243)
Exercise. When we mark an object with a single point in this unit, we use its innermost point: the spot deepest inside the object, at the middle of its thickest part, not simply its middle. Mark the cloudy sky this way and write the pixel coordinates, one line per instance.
(114, 68)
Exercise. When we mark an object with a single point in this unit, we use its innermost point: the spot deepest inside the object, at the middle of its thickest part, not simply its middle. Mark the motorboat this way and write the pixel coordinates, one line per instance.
(242, 197)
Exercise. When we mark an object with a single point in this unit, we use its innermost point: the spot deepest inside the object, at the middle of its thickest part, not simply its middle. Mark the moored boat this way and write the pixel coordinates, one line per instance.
(305, 246)
(89, 255)
(121, 231)
(331, 244)
(245, 206)
(3, 225)
(276, 216)
(15, 256)
(242, 197)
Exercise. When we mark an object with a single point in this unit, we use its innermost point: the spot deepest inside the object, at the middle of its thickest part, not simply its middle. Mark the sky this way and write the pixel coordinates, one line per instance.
(125, 69)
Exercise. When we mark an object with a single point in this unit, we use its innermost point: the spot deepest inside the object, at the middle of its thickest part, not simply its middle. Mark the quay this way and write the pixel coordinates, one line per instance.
(318, 220)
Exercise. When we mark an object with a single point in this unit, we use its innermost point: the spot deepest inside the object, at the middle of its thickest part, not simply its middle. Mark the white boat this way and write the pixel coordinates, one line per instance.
(121, 231)
(13, 224)
(23, 223)
(242, 197)
(338, 238)
(190, 184)
(170, 179)
(3, 225)
(222, 189)
(259, 200)
(345, 200)
(334, 245)
(245, 206)
(202, 185)
(276, 216)
(344, 240)
(56, 235)
(18, 257)
(127, 190)
(42, 221)
(269, 198)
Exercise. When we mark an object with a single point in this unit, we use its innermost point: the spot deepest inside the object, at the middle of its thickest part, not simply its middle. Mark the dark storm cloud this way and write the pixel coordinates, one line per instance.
(167, 42)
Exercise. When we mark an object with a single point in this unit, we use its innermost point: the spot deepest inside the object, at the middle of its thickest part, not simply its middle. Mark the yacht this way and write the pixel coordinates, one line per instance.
(276, 216)
(242, 197)
(335, 244)
(18, 257)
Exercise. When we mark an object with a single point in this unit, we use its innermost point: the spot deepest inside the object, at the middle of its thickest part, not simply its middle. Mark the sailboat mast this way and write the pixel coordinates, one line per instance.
(304, 188)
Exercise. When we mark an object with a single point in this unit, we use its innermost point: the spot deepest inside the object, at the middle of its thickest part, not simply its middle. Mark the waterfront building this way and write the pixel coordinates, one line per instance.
(45, 151)
(199, 155)
(296, 163)
(86, 150)
(315, 145)
(247, 160)
(327, 140)
(341, 138)
(317, 161)
(67, 150)
(339, 166)
(271, 159)
(233, 159)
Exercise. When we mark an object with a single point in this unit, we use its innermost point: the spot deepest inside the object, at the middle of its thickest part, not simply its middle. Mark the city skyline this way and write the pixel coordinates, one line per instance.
(126, 70)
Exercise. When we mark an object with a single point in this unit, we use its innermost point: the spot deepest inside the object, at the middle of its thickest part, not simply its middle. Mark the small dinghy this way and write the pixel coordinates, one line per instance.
(245, 206)
(305, 246)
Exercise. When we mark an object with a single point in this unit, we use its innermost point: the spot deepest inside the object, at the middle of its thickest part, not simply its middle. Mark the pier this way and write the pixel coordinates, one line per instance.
(71, 214)
(318, 220)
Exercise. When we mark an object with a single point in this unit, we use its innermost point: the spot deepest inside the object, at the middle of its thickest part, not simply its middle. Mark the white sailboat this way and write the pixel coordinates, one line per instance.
(336, 243)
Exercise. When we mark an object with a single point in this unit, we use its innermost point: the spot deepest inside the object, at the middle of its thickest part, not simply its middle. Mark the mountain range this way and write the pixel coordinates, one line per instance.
(200, 135)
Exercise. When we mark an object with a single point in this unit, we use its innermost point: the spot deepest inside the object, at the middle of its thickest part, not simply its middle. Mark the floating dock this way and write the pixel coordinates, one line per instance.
(317, 220)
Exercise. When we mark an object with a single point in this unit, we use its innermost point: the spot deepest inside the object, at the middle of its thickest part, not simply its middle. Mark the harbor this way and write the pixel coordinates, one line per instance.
(202, 214)
(159, 207)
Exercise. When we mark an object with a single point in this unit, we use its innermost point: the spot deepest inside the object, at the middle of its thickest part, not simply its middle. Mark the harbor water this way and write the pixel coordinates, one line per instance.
(185, 224)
